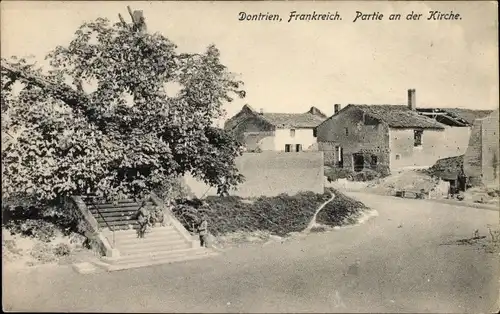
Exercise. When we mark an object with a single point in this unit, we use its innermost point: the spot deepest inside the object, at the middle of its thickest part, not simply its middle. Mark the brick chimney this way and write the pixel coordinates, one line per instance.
(336, 108)
(412, 99)
(261, 110)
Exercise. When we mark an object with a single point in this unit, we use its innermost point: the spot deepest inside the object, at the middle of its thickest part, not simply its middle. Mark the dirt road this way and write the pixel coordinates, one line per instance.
(401, 261)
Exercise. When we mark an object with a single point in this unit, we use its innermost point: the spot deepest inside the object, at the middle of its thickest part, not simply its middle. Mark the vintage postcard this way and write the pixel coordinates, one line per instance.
(250, 156)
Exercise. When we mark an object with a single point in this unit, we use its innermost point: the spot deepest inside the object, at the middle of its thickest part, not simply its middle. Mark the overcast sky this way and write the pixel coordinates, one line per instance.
(288, 67)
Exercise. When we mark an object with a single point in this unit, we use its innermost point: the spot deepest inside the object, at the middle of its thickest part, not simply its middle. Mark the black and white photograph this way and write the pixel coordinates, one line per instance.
(250, 156)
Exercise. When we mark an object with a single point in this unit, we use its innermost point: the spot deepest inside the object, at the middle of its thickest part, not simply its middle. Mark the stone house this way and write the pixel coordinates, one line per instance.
(481, 158)
(379, 137)
(394, 137)
(288, 132)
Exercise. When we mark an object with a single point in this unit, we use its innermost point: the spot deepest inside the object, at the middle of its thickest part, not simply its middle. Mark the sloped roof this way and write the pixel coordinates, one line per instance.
(293, 120)
(468, 115)
(309, 119)
(399, 116)
(455, 116)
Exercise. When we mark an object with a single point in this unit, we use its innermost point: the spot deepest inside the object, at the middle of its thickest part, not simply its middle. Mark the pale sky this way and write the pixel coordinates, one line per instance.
(289, 67)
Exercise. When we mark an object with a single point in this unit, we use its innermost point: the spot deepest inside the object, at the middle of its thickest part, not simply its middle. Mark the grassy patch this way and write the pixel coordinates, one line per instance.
(343, 210)
(318, 229)
(278, 215)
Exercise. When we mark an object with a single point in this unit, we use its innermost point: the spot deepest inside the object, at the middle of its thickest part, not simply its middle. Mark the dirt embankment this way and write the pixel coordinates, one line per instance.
(414, 180)
(21, 251)
(233, 220)
(32, 236)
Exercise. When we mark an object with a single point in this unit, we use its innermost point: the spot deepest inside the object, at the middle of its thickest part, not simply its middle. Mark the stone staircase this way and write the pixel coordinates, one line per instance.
(161, 245)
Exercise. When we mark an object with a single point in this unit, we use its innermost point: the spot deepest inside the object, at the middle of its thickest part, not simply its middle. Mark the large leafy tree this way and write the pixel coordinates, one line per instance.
(104, 121)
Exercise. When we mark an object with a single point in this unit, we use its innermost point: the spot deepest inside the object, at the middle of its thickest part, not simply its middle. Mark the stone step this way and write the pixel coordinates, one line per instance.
(150, 249)
(132, 258)
(98, 200)
(127, 213)
(120, 204)
(120, 228)
(130, 236)
(120, 208)
(123, 222)
(84, 268)
(115, 219)
(155, 231)
(171, 257)
(146, 242)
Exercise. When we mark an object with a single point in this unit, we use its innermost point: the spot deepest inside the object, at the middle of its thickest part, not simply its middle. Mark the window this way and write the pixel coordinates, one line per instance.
(298, 147)
(346, 131)
(288, 148)
(398, 156)
(417, 138)
(367, 120)
(292, 132)
(315, 133)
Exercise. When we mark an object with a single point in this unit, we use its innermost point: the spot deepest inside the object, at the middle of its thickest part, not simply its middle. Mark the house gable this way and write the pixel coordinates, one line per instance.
(394, 116)
(245, 113)
(307, 120)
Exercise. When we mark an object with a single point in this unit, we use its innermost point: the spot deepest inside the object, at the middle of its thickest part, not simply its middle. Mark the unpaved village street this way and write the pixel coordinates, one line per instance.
(406, 263)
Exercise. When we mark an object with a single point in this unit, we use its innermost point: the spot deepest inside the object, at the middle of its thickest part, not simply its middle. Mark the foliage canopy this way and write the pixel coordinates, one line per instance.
(125, 134)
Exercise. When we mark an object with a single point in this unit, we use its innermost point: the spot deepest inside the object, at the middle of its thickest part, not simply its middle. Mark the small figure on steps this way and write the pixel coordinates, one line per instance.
(143, 219)
(203, 231)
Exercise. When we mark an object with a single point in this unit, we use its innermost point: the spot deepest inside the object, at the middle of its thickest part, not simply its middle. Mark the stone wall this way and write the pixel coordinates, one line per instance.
(436, 144)
(482, 155)
(490, 150)
(349, 131)
(272, 173)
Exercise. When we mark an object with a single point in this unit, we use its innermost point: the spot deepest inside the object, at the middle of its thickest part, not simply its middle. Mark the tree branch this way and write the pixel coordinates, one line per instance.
(76, 100)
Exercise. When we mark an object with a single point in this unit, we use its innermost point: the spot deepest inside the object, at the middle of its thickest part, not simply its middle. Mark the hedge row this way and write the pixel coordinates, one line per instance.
(278, 215)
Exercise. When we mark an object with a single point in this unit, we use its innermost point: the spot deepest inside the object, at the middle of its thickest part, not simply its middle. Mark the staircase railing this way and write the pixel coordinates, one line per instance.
(104, 219)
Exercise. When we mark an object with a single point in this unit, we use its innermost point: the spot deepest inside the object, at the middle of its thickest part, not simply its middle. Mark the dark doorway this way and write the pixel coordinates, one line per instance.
(462, 183)
(358, 162)
(373, 162)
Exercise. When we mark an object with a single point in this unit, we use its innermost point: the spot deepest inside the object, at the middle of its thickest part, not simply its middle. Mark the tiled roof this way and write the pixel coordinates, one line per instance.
(399, 116)
(309, 119)
(293, 120)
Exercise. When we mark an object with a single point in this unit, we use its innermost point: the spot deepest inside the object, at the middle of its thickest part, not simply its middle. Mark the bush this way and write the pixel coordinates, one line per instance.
(34, 228)
(345, 173)
(174, 189)
(341, 211)
(278, 215)
(366, 175)
(62, 249)
(333, 174)
(44, 223)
